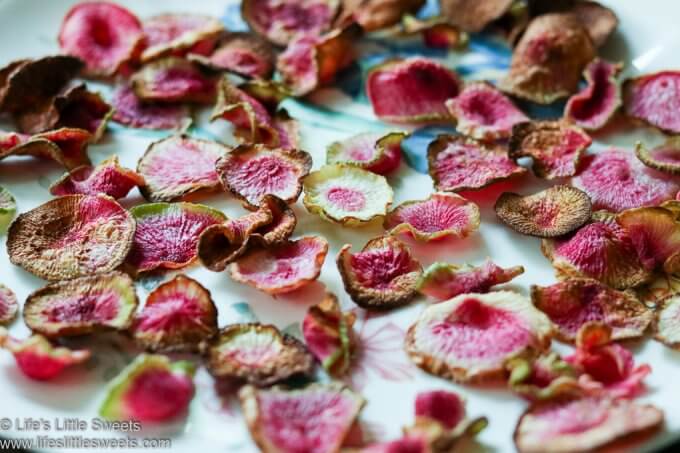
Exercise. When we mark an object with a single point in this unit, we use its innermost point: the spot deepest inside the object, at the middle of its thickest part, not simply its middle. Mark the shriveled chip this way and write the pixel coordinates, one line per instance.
(665, 158)
(180, 165)
(596, 104)
(107, 178)
(316, 418)
(8, 208)
(281, 268)
(440, 215)
(269, 93)
(178, 315)
(376, 14)
(543, 378)
(243, 53)
(258, 354)
(469, 338)
(81, 306)
(151, 389)
(8, 305)
(444, 281)
(167, 234)
(71, 236)
(174, 80)
(667, 322)
(103, 35)
(473, 15)
(411, 90)
(457, 163)
(371, 151)
(548, 60)
(437, 32)
(382, 276)
(65, 146)
(177, 34)
(598, 20)
(130, 111)
(6, 73)
(654, 99)
(552, 212)
(484, 113)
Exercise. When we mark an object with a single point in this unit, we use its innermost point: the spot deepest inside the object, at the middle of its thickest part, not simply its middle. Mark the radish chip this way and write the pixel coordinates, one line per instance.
(130, 111)
(371, 151)
(9, 306)
(107, 178)
(174, 80)
(177, 34)
(242, 53)
(593, 107)
(654, 99)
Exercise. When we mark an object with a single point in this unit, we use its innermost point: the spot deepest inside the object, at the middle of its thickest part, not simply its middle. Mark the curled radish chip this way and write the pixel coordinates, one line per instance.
(347, 195)
(371, 151)
(280, 22)
(469, 337)
(552, 212)
(107, 178)
(594, 106)
(179, 165)
(444, 281)
(654, 99)
(167, 234)
(173, 80)
(242, 53)
(151, 389)
(376, 14)
(103, 35)
(329, 336)
(575, 302)
(665, 158)
(8, 208)
(82, 305)
(473, 16)
(383, 275)
(281, 268)
(667, 322)
(484, 113)
(176, 34)
(130, 111)
(584, 424)
(440, 215)
(456, 163)
(10, 69)
(548, 60)
(411, 90)
(437, 32)
(615, 180)
(555, 147)
(253, 171)
(316, 418)
(71, 236)
(178, 315)
(543, 378)
(8, 305)
(258, 354)
(65, 146)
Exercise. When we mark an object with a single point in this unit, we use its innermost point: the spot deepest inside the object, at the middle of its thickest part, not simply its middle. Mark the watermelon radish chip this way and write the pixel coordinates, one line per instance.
(542, 378)
(437, 32)
(470, 337)
(151, 389)
(174, 80)
(457, 163)
(654, 99)
(8, 208)
(315, 418)
(167, 234)
(555, 147)
(375, 15)
(552, 212)
(329, 335)
(258, 354)
(474, 16)
(66, 146)
(440, 215)
(178, 315)
(593, 107)
(130, 111)
(71, 236)
(484, 113)
(82, 306)
(107, 178)
(179, 34)
(180, 165)
(412, 90)
(443, 281)
(371, 151)
(104, 35)
(9, 306)
(575, 302)
(665, 158)
(382, 276)
(667, 322)
(242, 53)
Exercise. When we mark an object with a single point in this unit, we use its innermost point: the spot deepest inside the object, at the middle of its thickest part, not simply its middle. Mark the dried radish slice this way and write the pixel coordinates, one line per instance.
(81, 306)
(258, 354)
(107, 178)
(543, 378)
(176, 34)
(243, 53)
(654, 99)
(667, 322)
(8, 208)
(573, 303)
(473, 16)
(457, 163)
(374, 15)
(103, 35)
(555, 147)
(371, 151)
(383, 275)
(130, 111)
(347, 195)
(444, 281)
(593, 107)
(552, 212)
(437, 32)
(411, 90)
(65, 146)
(469, 338)
(448, 408)
(484, 113)
(151, 389)
(173, 80)
(585, 424)
(179, 165)
(167, 234)
(598, 20)
(71, 236)
(315, 419)
(440, 215)
(665, 158)
(8, 305)
(177, 316)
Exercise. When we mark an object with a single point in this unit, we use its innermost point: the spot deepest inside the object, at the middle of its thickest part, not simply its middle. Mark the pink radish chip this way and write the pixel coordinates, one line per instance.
(8, 305)
(103, 35)
(448, 408)
(473, 16)
(65, 146)
(437, 32)
(375, 15)
(174, 80)
(177, 34)
(595, 105)
(242, 53)
(130, 111)
(667, 322)
(371, 151)
(107, 178)
(543, 378)
(654, 99)
(665, 157)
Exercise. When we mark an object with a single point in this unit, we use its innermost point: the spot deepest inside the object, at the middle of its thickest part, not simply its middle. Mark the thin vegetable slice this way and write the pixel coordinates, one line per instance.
(65, 146)
(107, 178)
(8, 208)
(371, 151)
(473, 16)
(130, 111)
(598, 20)
(376, 14)
(654, 99)
(543, 378)
(665, 158)
(595, 105)
(174, 80)
(667, 322)
(437, 32)
(177, 34)
(8, 305)
(242, 53)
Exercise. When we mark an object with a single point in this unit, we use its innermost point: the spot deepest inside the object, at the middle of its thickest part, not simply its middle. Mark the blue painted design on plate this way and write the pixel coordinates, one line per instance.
(244, 311)
(232, 19)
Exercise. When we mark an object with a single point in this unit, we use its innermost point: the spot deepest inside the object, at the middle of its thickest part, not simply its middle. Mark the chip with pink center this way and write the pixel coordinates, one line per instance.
(174, 80)
(470, 337)
(458, 163)
(371, 151)
(177, 34)
(9, 307)
(66, 146)
(654, 99)
(242, 53)
(130, 111)
(593, 107)
(665, 157)
(107, 178)
(667, 322)
(440, 215)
